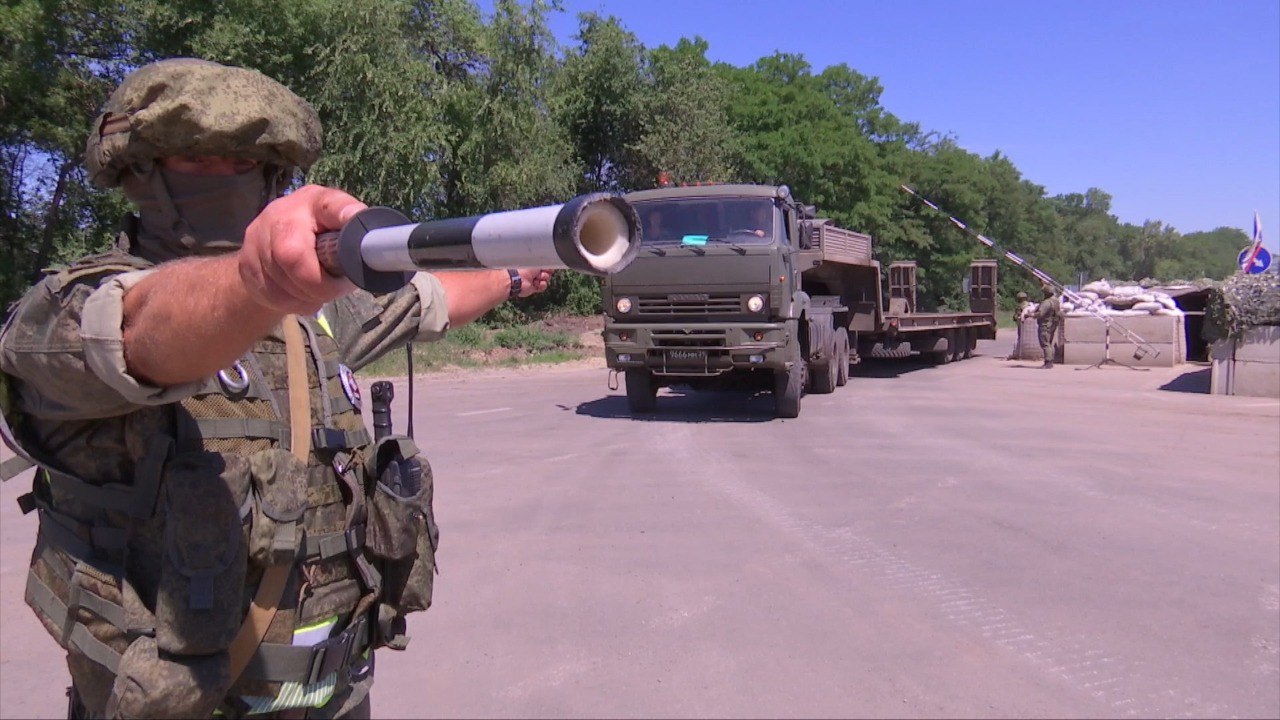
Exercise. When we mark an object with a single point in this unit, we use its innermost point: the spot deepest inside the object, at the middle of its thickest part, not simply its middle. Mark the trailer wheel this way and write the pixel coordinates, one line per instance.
(942, 357)
(788, 386)
(842, 356)
(955, 344)
(642, 391)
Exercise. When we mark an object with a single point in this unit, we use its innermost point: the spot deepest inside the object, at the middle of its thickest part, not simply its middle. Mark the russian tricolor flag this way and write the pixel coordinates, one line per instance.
(1257, 244)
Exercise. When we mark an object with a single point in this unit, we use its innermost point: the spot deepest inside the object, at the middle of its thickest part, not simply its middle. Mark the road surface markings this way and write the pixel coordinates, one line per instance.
(482, 412)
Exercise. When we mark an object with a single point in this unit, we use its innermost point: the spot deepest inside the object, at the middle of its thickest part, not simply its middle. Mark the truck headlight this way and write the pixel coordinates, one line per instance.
(623, 305)
(755, 303)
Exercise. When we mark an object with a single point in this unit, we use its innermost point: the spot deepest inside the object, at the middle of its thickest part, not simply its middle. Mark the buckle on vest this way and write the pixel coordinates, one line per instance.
(325, 438)
(336, 653)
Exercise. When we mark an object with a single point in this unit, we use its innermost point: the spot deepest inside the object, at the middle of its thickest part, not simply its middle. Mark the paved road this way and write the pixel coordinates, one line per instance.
(980, 539)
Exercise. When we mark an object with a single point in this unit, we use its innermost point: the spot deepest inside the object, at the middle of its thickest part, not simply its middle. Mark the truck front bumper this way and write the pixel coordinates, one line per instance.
(699, 350)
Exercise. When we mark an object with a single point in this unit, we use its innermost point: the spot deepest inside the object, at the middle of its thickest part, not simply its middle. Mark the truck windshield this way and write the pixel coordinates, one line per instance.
(697, 221)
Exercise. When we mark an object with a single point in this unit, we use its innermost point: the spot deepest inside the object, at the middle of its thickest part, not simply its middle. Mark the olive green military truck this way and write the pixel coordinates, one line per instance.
(743, 286)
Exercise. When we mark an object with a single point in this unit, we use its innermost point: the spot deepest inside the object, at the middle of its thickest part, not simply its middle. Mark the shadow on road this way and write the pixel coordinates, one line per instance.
(1196, 381)
(886, 368)
(692, 407)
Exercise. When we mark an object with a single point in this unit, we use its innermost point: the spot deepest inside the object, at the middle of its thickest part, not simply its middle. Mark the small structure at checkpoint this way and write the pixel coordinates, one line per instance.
(1243, 322)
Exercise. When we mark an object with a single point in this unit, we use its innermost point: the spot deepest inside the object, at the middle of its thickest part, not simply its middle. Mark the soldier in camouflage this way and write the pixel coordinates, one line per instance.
(218, 533)
(1048, 320)
(1019, 309)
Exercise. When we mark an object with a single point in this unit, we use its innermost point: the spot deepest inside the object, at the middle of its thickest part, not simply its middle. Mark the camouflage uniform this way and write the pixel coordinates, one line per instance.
(161, 508)
(1048, 319)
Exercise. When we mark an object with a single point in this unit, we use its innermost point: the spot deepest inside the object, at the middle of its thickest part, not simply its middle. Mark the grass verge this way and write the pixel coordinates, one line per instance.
(478, 346)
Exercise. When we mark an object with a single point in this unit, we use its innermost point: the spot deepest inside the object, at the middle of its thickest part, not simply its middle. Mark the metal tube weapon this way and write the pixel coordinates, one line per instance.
(379, 249)
(1143, 347)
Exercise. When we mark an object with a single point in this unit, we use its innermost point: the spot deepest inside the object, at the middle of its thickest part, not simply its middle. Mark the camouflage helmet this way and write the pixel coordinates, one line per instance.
(186, 106)
(1021, 295)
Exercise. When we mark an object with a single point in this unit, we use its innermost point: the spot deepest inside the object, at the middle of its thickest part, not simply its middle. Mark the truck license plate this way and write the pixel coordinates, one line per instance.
(687, 356)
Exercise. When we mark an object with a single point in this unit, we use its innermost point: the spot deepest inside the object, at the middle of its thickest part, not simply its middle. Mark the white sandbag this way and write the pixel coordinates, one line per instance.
(1068, 307)
(1126, 291)
(1145, 297)
(1088, 294)
(1167, 312)
(1168, 303)
(1101, 287)
(1147, 306)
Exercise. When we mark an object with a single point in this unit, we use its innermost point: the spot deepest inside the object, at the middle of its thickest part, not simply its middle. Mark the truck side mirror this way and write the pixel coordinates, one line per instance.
(809, 211)
(806, 235)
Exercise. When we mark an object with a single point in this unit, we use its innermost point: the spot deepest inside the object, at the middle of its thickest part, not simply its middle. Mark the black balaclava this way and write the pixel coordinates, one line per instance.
(182, 214)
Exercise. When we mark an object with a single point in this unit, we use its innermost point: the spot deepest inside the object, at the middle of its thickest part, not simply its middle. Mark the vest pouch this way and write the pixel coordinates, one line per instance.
(279, 500)
(153, 684)
(200, 598)
(402, 530)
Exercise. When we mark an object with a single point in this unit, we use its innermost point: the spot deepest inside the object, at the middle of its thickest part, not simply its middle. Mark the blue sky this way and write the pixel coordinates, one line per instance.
(1172, 107)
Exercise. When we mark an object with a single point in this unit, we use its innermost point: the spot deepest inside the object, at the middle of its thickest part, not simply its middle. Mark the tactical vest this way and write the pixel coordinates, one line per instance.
(147, 582)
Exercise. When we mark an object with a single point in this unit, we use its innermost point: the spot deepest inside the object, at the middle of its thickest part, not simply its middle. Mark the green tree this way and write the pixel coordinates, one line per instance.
(600, 102)
(504, 148)
(1201, 255)
(685, 127)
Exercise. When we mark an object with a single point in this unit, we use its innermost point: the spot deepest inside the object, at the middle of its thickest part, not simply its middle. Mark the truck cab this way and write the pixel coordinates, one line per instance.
(713, 293)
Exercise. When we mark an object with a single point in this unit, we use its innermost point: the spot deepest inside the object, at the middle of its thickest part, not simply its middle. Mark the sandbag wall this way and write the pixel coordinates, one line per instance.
(1150, 315)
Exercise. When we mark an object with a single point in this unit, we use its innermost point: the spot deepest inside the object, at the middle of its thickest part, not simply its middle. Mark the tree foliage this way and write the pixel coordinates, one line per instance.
(440, 109)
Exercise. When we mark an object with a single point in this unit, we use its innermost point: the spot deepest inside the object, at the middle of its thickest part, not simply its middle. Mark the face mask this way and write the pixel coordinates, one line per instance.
(182, 215)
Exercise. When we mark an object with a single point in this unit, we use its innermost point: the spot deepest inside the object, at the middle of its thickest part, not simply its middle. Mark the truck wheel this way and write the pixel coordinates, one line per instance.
(642, 392)
(970, 342)
(842, 357)
(825, 374)
(788, 386)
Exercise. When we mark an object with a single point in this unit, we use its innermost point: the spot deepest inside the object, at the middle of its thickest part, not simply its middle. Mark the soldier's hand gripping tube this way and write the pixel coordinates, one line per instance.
(379, 249)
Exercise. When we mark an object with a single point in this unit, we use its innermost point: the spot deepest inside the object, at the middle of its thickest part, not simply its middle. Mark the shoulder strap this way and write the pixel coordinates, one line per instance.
(274, 579)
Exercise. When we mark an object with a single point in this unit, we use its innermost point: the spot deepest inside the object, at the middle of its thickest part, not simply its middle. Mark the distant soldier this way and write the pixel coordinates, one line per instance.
(1048, 319)
(1019, 311)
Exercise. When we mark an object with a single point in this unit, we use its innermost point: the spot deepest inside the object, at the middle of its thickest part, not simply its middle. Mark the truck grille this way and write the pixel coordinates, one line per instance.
(692, 339)
(689, 304)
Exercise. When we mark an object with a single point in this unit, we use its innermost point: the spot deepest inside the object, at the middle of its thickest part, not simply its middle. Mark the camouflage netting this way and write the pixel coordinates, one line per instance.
(1242, 302)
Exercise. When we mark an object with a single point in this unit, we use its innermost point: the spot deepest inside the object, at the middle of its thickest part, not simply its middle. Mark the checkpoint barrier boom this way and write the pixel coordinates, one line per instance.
(379, 249)
(1141, 347)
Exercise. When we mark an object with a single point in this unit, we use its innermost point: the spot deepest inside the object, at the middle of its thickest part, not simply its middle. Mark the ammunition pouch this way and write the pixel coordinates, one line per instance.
(402, 534)
(199, 601)
(150, 684)
(279, 500)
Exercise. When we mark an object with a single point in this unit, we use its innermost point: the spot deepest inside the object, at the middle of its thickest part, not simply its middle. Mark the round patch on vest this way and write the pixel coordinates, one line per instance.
(350, 386)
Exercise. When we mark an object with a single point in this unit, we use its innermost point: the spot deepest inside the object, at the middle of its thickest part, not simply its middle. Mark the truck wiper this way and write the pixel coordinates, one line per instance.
(740, 250)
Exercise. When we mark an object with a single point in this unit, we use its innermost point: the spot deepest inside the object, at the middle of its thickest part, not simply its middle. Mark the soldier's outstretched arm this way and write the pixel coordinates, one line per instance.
(191, 318)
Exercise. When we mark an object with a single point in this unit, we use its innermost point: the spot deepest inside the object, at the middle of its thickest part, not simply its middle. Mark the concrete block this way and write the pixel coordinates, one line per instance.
(1155, 329)
(1222, 350)
(1220, 375)
(1256, 379)
(1081, 353)
(1260, 344)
